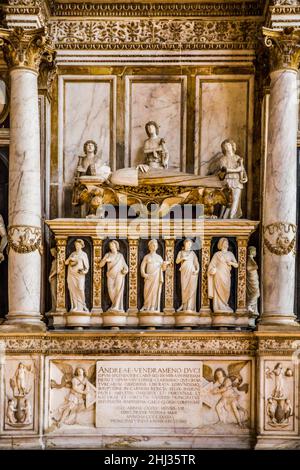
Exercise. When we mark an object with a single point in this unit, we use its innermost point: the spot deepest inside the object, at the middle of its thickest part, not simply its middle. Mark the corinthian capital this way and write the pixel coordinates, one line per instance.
(284, 48)
(26, 48)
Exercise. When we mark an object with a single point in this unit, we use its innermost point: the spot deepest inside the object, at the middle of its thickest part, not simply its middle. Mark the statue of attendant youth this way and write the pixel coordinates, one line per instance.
(219, 277)
(189, 270)
(152, 268)
(253, 292)
(116, 272)
(78, 267)
(235, 178)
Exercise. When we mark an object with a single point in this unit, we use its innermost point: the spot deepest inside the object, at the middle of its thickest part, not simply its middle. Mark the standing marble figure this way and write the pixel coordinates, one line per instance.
(116, 272)
(253, 292)
(78, 267)
(3, 238)
(53, 279)
(219, 277)
(189, 270)
(235, 177)
(152, 268)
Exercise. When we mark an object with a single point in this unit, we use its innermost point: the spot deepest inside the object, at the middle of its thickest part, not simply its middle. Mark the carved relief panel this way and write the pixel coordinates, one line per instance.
(279, 404)
(70, 396)
(108, 394)
(21, 394)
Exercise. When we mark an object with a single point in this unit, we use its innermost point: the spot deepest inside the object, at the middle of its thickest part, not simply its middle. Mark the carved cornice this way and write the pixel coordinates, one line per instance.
(25, 11)
(133, 9)
(154, 34)
(26, 48)
(284, 48)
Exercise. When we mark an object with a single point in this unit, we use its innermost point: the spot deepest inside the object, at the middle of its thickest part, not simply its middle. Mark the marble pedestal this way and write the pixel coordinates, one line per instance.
(138, 384)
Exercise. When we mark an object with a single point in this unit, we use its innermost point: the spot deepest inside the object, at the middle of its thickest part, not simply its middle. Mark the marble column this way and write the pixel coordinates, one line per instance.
(23, 52)
(279, 205)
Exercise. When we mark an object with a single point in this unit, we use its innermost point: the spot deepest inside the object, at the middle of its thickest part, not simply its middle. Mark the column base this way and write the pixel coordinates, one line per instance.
(132, 318)
(22, 325)
(114, 319)
(269, 322)
(57, 319)
(96, 318)
(205, 317)
(185, 319)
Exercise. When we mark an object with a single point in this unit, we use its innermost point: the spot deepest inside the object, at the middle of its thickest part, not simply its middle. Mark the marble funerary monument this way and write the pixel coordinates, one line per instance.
(148, 229)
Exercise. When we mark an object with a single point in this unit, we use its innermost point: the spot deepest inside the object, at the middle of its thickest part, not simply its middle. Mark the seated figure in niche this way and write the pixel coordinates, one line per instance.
(219, 277)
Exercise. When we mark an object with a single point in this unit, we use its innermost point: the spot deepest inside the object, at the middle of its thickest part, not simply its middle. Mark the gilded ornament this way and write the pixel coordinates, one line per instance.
(26, 48)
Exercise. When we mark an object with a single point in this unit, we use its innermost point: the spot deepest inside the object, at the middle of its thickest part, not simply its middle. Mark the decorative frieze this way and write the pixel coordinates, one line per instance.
(152, 34)
(150, 343)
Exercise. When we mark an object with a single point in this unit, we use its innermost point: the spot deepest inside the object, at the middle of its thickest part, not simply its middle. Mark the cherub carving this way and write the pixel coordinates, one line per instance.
(81, 394)
(227, 386)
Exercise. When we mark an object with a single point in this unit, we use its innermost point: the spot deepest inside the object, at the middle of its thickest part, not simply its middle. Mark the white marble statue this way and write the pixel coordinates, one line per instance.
(116, 272)
(10, 412)
(155, 150)
(20, 382)
(189, 270)
(277, 374)
(3, 238)
(219, 277)
(152, 268)
(78, 267)
(235, 176)
(253, 291)
(53, 279)
(27, 412)
(90, 163)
